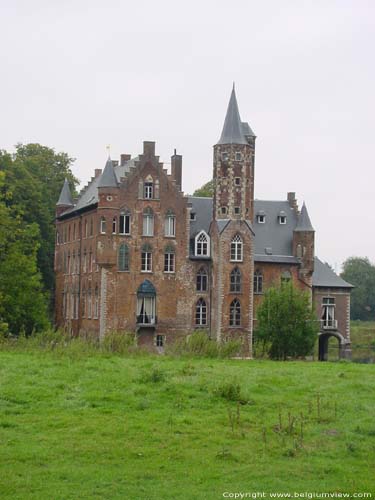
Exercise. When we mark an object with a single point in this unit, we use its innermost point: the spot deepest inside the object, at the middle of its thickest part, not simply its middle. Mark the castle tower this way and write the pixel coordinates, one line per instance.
(233, 175)
(303, 245)
(65, 200)
(232, 236)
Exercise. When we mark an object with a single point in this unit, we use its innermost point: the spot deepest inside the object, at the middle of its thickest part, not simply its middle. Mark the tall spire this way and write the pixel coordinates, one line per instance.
(304, 223)
(108, 177)
(65, 198)
(232, 131)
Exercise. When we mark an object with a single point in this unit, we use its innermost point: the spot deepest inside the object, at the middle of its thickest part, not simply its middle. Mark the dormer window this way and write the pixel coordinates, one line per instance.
(202, 244)
(282, 217)
(261, 218)
(193, 216)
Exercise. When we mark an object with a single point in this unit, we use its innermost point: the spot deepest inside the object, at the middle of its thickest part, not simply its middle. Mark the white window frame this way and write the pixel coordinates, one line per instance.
(261, 219)
(124, 217)
(170, 226)
(201, 312)
(146, 262)
(148, 224)
(148, 190)
(236, 249)
(103, 225)
(200, 244)
(282, 219)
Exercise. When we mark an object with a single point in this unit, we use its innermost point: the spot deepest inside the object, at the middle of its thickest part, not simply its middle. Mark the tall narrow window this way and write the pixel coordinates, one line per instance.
(84, 302)
(235, 313)
(202, 280)
(146, 259)
(235, 280)
(123, 258)
(202, 244)
(328, 313)
(84, 267)
(148, 188)
(90, 261)
(236, 249)
(96, 303)
(170, 224)
(69, 270)
(148, 222)
(89, 303)
(201, 313)
(114, 225)
(169, 259)
(124, 222)
(258, 282)
(86, 229)
(74, 231)
(91, 226)
(146, 304)
(103, 225)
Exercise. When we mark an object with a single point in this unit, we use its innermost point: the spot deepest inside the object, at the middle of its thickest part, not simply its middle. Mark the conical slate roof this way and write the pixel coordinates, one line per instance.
(65, 198)
(108, 177)
(233, 132)
(304, 223)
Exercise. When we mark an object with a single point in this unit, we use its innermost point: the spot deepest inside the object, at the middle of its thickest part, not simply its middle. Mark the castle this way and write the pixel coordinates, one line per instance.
(133, 253)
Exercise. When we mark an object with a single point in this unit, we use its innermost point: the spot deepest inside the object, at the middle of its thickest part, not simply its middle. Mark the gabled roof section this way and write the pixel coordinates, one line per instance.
(304, 223)
(65, 198)
(233, 130)
(325, 277)
(108, 177)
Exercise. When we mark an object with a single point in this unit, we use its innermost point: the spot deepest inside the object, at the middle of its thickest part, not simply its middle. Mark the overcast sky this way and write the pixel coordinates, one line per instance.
(78, 75)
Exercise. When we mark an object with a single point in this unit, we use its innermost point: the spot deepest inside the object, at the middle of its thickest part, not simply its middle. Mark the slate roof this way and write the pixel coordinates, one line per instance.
(323, 276)
(233, 130)
(65, 197)
(108, 177)
(304, 223)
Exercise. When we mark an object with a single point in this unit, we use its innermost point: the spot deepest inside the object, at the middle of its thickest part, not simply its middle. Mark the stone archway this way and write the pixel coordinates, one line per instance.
(323, 344)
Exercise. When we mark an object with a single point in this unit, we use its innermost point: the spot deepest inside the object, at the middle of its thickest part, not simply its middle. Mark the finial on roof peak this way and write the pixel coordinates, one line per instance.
(304, 222)
(232, 131)
(108, 177)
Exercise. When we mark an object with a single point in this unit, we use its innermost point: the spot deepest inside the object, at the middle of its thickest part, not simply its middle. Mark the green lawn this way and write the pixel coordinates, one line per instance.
(76, 426)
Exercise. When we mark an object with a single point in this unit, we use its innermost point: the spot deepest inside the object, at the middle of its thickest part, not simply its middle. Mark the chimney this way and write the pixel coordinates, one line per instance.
(124, 158)
(176, 162)
(292, 200)
(98, 172)
(149, 148)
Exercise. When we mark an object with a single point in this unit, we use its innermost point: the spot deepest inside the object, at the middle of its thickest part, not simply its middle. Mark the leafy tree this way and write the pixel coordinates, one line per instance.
(286, 322)
(361, 273)
(34, 176)
(23, 305)
(206, 191)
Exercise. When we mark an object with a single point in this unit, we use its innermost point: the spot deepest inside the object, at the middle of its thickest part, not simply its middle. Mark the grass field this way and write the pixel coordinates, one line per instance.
(77, 425)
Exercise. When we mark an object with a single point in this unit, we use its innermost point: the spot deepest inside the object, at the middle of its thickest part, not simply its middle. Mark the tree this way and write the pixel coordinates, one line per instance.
(361, 273)
(23, 305)
(34, 176)
(286, 322)
(206, 191)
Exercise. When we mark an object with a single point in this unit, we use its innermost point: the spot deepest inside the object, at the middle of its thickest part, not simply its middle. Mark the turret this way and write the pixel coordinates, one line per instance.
(234, 167)
(303, 243)
(65, 200)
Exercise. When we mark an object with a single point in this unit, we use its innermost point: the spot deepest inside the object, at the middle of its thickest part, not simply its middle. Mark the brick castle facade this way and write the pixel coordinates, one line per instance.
(134, 254)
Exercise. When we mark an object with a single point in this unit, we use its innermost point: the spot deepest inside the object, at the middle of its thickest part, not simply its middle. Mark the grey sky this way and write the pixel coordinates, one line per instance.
(79, 75)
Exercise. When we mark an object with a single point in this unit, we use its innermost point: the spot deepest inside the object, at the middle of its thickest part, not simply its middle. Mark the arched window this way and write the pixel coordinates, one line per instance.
(96, 303)
(258, 282)
(299, 250)
(114, 225)
(124, 222)
(148, 188)
(235, 313)
(236, 254)
(202, 241)
(170, 224)
(235, 280)
(103, 225)
(146, 259)
(169, 259)
(202, 280)
(123, 258)
(201, 313)
(146, 304)
(148, 222)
